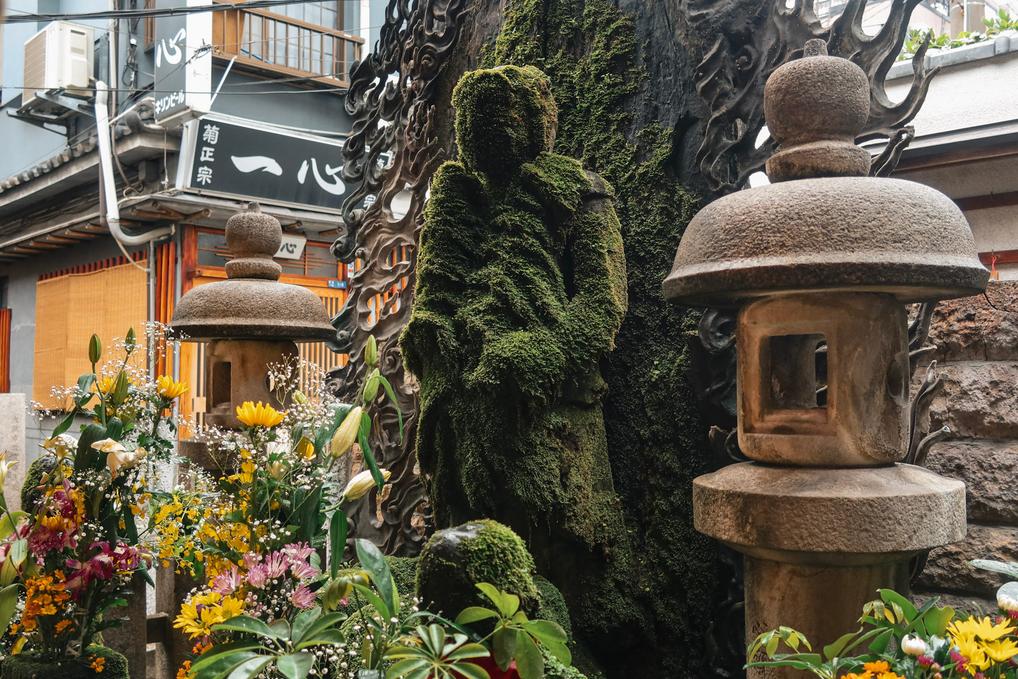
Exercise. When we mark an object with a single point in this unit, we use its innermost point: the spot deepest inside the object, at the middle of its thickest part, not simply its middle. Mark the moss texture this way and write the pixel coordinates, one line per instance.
(404, 574)
(30, 492)
(521, 289)
(553, 605)
(26, 667)
(656, 439)
(455, 560)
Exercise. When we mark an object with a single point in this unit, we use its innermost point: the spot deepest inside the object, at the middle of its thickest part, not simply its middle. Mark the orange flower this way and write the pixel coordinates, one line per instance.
(98, 664)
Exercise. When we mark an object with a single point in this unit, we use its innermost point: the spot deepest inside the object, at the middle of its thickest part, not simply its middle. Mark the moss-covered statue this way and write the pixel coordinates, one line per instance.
(521, 289)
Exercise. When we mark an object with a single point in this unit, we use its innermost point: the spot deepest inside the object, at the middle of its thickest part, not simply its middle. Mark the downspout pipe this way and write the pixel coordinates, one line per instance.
(109, 186)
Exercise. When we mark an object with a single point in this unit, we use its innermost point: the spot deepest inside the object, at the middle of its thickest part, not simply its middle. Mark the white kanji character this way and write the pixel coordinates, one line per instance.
(210, 134)
(207, 154)
(333, 184)
(204, 175)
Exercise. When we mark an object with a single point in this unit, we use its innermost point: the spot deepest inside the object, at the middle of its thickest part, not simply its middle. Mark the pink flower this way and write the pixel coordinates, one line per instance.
(257, 576)
(276, 564)
(227, 582)
(302, 597)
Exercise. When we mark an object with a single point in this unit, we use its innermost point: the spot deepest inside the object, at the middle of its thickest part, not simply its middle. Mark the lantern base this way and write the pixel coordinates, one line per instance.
(818, 543)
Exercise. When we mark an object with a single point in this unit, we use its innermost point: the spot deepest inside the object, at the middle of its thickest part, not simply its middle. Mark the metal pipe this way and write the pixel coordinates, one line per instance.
(109, 186)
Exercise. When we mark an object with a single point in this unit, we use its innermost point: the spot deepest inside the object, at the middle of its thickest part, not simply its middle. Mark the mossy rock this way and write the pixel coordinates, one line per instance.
(553, 605)
(404, 574)
(28, 667)
(456, 559)
(553, 669)
(30, 492)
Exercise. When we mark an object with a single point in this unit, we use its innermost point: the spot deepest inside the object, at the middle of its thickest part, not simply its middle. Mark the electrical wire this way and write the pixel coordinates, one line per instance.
(29, 17)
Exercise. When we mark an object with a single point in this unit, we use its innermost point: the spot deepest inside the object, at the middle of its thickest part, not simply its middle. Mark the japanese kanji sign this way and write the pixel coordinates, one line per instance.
(183, 62)
(239, 158)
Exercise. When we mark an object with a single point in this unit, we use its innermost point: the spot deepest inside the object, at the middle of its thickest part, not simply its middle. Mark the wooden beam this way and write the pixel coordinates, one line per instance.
(1006, 199)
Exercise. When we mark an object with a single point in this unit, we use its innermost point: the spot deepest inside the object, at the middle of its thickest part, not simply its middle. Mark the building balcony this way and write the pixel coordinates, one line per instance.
(267, 41)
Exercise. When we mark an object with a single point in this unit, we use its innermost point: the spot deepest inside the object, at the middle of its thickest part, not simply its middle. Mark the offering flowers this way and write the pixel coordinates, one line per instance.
(897, 640)
(75, 548)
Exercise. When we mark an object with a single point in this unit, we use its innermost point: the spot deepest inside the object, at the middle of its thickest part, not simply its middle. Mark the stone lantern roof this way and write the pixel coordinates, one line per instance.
(823, 224)
(252, 303)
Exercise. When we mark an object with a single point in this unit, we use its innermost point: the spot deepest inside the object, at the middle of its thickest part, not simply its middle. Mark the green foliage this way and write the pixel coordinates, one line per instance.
(1002, 21)
(436, 656)
(282, 646)
(514, 637)
(486, 551)
(886, 624)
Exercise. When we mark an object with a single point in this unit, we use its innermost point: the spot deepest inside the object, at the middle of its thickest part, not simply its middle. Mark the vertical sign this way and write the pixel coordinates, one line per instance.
(183, 63)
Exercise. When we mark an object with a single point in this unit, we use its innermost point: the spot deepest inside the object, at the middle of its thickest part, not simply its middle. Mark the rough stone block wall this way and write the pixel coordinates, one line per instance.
(977, 353)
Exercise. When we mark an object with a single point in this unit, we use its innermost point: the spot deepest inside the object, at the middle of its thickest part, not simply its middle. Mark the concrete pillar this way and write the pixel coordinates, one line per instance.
(13, 409)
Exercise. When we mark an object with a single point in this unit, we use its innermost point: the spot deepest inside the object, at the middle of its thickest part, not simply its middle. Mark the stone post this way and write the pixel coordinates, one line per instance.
(820, 264)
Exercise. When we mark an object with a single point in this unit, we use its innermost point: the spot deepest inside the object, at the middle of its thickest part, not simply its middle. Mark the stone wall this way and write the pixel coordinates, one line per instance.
(977, 354)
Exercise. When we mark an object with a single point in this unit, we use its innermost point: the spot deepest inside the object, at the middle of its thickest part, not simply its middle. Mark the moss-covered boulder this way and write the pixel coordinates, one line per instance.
(30, 492)
(99, 662)
(456, 559)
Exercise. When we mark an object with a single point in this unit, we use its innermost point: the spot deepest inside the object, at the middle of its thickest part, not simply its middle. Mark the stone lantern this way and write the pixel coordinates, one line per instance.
(250, 320)
(820, 265)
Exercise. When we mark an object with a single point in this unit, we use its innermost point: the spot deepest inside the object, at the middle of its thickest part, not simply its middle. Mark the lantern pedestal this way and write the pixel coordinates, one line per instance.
(818, 543)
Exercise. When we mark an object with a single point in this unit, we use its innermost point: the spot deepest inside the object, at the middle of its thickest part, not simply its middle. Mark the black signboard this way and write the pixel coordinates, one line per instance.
(239, 158)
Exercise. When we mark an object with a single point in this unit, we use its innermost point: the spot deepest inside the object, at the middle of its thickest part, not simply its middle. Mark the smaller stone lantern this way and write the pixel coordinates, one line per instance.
(820, 264)
(250, 320)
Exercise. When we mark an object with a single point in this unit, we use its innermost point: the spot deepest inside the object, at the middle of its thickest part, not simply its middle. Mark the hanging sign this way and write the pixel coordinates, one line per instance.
(292, 246)
(237, 158)
(183, 62)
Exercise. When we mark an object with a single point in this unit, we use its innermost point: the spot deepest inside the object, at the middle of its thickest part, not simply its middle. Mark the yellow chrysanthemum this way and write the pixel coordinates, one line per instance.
(203, 611)
(973, 651)
(258, 415)
(1001, 650)
(170, 389)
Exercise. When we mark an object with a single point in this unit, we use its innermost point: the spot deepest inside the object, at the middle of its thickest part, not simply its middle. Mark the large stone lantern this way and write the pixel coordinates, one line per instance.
(820, 265)
(250, 320)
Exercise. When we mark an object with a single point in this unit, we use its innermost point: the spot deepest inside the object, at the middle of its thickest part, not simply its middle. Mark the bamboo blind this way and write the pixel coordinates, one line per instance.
(69, 309)
(5, 351)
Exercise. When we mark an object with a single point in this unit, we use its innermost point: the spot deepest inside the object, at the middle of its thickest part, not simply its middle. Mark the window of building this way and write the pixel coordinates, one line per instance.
(298, 39)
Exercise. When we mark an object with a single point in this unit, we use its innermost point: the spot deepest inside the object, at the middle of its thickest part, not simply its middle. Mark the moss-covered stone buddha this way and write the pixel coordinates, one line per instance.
(521, 289)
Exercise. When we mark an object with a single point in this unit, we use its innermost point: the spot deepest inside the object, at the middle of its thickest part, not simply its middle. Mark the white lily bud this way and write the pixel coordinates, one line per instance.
(361, 483)
(914, 646)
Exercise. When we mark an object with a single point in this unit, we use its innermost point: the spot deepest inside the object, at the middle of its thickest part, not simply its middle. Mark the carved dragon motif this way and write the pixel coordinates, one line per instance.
(391, 153)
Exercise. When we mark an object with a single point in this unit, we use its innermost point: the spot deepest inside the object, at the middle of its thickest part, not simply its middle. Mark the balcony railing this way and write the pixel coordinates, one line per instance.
(264, 40)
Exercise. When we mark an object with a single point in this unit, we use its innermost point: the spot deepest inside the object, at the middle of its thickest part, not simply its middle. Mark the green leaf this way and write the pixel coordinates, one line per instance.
(503, 646)
(470, 671)
(546, 631)
(329, 637)
(835, 649)
(374, 563)
(391, 394)
(250, 668)
(529, 661)
(303, 621)
(937, 620)
(244, 623)
(216, 657)
(337, 541)
(363, 439)
(65, 423)
(9, 522)
(8, 605)
(376, 601)
(295, 665)
(406, 668)
(473, 614)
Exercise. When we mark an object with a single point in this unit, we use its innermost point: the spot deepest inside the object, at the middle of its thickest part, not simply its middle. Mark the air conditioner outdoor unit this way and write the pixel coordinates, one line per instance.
(60, 56)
